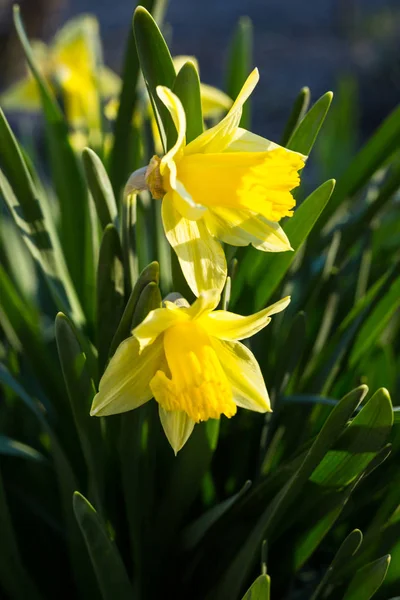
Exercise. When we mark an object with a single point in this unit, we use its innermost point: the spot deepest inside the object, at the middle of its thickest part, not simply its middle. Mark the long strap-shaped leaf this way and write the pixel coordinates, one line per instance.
(81, 390)
(23, 201)
(68, 177)
(119, 163)
(67, 484)
(107, 563)
(236, 574)
(13, 576)
(157, 68)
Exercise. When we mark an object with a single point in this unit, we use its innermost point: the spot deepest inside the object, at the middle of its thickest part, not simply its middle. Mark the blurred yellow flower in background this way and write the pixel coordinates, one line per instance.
(72, 64)
(189, 359)
(228, 184)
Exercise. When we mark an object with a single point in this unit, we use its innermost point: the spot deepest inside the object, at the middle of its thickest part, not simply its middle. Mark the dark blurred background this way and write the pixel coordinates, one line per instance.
(314, 43)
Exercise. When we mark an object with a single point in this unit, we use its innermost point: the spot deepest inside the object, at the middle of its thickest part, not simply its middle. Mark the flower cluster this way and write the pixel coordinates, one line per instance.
(227, 185)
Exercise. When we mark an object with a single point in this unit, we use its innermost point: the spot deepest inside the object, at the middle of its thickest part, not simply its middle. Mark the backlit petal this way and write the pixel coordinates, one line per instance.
(177, 427)
(200, 255)
(23, 95)
(246, 141)
(125, 383)
(177, 112)
(185, 203)
(76, 45)
(217, 138)
(240, 228)
(230, 326)
(213, 101)
(205, 303)
(156, 322)
(243, 372)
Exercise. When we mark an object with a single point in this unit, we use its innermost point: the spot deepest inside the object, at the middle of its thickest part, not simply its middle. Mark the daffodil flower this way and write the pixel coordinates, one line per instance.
(228, 184)
(189, 360)
(71, 65)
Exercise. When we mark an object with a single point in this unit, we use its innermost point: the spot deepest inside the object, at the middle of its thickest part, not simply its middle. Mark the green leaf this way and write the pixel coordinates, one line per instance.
(299, 109)
(21, 323)
(190, 466)
(327, 363)
(368, 580)
(10, 447)
(23, 202)
(268, 271)
(195, 532)
(364, 218)
(149, 299)
(238, 570)
(121, 161)
(358, 444)
(164, 253)
(81, 392)
(333, 505)
(107, 563)
(260, 589)
(240, 61)
(67, 484)
(100, 187)
(369, 159)
(303, 138)
(129, 252)
(347, 550)
(13, 576)
(157, 68)
(110, 292)
(376, 323)
(187, 88)
(67, 175)
(148, 275)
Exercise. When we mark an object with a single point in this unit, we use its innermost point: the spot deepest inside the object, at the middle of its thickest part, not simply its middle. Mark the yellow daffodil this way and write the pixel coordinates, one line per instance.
(228, 184)
(72, 66)
(189, 360)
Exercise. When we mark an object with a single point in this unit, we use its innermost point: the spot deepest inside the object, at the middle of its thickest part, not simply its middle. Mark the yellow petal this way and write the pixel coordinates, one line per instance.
(246, 141)
(125, 383)
(156, 322)
(260, 182)
(230, 326)
(213, 101)
(23, 95)
(177, 112)
(76, 45)
(218, 137)
(185, 203)
(177, 427)
(201, 256)
(207, 301)
(240, 228)
(243, 372)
